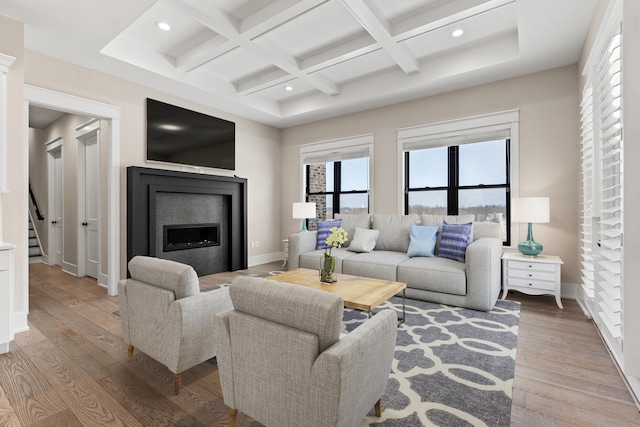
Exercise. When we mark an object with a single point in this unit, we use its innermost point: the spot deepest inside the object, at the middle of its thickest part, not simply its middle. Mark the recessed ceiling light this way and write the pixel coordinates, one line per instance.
(289, 88)
(457, 33)
(163, 26)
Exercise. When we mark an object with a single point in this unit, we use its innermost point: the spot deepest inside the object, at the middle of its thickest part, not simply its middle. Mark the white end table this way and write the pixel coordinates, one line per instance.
(531, 275)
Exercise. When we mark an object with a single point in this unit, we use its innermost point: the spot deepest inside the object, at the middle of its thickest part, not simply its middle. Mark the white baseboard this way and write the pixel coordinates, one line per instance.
(45, 259)
(266, 258)
(569, 290)
(20, 322)
(103, 280)
(70, 268)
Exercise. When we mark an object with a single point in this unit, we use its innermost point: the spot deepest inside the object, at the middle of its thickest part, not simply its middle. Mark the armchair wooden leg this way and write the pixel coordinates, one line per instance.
(232, 417)
(176, 383)
(378, 408)
(129, 353)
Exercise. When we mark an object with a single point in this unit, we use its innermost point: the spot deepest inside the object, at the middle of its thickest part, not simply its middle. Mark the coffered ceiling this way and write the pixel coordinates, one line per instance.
(287, 62)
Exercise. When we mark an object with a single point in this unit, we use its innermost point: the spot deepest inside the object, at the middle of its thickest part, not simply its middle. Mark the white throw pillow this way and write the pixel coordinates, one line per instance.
(364, 240)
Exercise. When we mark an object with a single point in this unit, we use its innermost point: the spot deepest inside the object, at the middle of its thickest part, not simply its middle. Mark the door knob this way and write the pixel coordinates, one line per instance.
(84, 224)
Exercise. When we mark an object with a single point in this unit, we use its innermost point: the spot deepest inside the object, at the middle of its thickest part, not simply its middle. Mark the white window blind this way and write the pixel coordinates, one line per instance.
(607, 107)
(586, 214)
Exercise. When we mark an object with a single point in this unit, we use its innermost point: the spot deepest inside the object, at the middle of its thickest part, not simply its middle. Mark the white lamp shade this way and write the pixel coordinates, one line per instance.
(530, 209)
(302, 210)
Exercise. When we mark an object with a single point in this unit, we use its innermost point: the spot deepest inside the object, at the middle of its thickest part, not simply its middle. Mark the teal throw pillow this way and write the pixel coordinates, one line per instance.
(454, 242)
(423, 240)
(324, 229)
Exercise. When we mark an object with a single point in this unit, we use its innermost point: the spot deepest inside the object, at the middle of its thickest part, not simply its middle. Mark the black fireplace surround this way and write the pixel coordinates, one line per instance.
(143, 186)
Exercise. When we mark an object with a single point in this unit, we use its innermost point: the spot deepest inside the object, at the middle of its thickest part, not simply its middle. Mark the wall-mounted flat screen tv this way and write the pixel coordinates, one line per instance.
(178, 135)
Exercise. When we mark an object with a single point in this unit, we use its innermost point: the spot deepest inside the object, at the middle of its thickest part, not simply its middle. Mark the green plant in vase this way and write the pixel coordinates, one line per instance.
(337, 237)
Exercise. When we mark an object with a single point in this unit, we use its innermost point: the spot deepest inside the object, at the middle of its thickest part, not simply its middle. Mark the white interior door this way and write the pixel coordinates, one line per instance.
(92, 195)
(55, 206)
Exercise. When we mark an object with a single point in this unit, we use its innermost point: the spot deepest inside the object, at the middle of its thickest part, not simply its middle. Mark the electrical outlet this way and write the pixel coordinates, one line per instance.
(257, 244)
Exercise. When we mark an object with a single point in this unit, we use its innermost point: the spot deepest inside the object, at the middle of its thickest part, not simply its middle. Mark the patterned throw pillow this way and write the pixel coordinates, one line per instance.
(324, 229)
(454, 242)
(423, 240)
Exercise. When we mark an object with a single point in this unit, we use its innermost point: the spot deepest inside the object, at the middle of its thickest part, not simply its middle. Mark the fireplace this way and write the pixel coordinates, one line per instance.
(195, 219)
(178, 237)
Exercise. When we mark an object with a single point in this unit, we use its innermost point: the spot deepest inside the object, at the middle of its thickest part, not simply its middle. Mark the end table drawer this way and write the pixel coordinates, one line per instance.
(520, 265)
(533, 274)
(534, 284)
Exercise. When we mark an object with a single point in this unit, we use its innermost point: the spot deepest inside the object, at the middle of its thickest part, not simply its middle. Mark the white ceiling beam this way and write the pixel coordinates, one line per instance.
(341, 51)
(376, 24)
(261, 81)
(448, 13)
(203, 53)
(211, 17)
(276, 14)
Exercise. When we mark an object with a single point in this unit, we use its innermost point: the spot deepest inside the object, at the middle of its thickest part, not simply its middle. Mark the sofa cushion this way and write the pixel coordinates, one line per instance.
(364, 240)
(351, 221)
(428, 219)
(314, 259)
(434, 274)
(324, 229)
(378, 264)
(455, 239)
(422, 240)
(394, 231)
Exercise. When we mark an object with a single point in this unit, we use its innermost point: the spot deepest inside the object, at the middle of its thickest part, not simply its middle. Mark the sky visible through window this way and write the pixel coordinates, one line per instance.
(480, 163)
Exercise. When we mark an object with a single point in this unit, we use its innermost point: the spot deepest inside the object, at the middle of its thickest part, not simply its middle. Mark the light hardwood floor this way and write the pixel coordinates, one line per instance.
(70, 369)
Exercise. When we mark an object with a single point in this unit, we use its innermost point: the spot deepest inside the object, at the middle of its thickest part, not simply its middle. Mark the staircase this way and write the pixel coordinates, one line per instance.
(35, 254)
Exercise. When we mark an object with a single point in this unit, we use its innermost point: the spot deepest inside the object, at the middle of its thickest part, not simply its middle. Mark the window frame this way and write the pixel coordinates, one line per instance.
(453, 187)
(498, 125)
(337, 150)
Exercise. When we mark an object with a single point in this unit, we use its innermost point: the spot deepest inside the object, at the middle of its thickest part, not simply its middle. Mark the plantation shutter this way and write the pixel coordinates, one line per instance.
(610, 143)
(586, 227)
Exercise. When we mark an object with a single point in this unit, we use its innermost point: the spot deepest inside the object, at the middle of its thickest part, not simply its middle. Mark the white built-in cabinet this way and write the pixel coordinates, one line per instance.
(6, 296)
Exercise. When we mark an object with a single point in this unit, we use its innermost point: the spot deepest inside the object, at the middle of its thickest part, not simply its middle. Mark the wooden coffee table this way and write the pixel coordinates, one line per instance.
(357, 292)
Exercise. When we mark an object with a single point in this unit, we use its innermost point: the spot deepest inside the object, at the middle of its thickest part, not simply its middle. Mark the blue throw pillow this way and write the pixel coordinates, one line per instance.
(454, 242)
(422, 240)
(324, 229)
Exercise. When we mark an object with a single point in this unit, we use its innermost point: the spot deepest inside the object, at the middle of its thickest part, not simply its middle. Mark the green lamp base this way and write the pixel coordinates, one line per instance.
(530, 247)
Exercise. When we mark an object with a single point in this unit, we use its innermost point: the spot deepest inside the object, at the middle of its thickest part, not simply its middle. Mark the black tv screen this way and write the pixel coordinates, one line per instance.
(178, 135)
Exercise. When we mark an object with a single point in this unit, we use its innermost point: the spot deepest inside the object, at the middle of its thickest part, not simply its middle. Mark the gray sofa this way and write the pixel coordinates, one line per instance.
(473, 284)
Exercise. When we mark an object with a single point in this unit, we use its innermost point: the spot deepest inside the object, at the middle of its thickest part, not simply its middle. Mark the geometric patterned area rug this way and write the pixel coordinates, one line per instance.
(452, 366)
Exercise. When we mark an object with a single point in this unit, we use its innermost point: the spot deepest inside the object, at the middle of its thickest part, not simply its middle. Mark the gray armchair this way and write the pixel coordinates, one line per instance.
(282, 362)
(165, 316)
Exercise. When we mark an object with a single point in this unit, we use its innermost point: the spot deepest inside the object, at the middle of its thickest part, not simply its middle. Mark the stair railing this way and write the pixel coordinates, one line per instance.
(35, 204)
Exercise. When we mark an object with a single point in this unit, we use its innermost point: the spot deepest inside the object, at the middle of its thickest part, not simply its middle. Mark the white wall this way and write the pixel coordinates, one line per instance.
(549, 148)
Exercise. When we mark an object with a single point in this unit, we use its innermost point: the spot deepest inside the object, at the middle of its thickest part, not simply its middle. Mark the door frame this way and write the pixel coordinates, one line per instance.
(84, 131)
(56, 144)
(34, 95)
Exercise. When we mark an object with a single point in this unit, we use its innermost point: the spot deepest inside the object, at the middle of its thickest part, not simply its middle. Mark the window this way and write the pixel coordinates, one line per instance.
(338, 187)
(461, 179)
(336, 176)
(463, 166)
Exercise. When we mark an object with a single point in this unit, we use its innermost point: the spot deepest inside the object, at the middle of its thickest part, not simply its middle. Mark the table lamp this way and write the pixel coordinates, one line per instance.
(302, 211)
(530, 210)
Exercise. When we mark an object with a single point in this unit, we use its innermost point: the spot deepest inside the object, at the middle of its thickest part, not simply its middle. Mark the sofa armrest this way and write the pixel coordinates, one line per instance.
(359, 365)
(300, 243)
(483, 271)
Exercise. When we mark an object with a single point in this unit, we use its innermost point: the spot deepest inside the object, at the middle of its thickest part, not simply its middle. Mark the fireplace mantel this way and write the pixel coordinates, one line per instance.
(143, 186)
